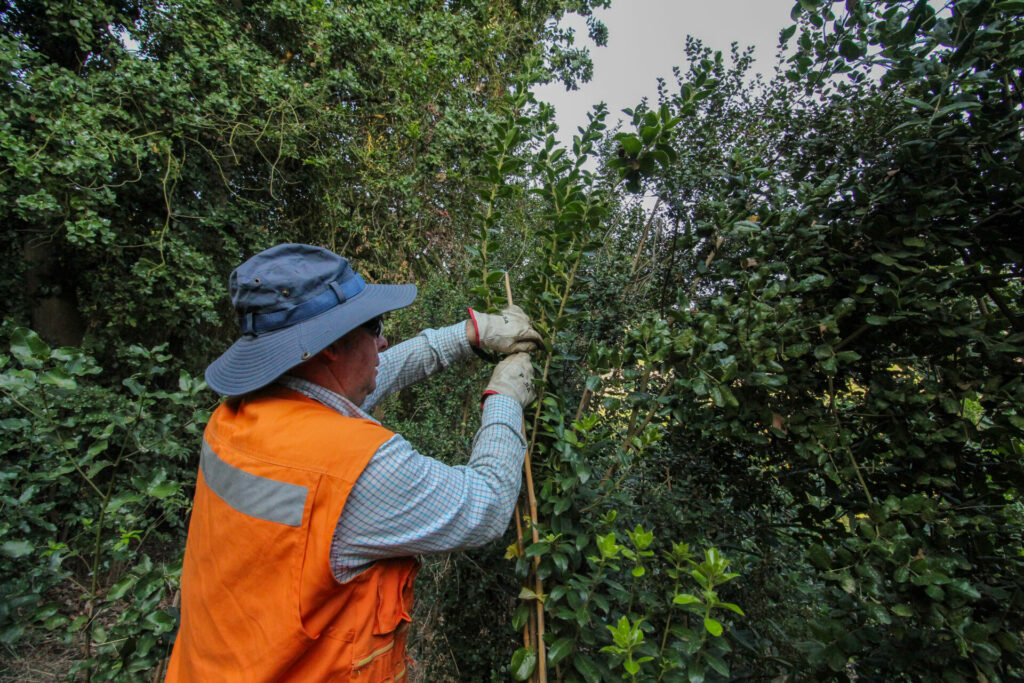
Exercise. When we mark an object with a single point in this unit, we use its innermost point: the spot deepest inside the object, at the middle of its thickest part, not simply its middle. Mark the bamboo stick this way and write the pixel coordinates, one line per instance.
(508, 289)
(542, 664)
(527, 632)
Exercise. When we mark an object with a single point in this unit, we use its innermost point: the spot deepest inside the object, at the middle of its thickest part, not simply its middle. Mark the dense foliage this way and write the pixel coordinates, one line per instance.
(781, 413)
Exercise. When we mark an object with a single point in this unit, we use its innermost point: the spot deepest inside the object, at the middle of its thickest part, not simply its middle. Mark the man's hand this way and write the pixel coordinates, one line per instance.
(514, 377)
(507, 332)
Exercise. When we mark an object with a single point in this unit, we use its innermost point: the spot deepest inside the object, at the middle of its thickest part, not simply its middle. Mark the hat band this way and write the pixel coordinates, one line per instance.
(337, 293)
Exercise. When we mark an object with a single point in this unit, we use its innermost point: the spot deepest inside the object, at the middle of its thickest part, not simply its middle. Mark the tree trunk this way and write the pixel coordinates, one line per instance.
(54, 304)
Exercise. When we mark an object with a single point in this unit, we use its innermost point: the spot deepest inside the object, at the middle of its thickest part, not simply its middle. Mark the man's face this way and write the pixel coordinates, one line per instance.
(354, 365)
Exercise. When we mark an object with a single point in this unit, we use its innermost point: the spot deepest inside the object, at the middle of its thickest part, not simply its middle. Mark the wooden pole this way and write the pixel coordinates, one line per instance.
(508, 289)
(542, 664)
(527, 631)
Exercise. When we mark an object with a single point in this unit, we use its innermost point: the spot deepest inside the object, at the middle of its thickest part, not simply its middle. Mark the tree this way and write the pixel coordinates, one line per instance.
(830, 391)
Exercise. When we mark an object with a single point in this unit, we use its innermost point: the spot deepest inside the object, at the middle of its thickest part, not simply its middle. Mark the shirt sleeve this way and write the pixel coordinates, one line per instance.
(418, 358)
(405, 503)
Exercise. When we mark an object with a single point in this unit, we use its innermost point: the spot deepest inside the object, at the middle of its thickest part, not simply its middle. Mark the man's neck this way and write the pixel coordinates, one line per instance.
(319, 373)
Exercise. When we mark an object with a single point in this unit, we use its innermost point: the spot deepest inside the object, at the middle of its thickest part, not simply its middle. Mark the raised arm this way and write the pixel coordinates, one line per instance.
(418, 358)
(405, 503)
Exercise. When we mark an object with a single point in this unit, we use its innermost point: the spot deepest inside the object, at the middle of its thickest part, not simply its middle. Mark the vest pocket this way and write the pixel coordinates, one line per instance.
(381, 656)
(385, 663)
(395, 595)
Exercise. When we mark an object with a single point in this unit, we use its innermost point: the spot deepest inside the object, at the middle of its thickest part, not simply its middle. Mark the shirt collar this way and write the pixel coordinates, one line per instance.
(325, 396)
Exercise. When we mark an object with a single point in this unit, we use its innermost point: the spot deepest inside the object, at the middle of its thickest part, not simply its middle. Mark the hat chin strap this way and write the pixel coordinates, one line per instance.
(336, 294)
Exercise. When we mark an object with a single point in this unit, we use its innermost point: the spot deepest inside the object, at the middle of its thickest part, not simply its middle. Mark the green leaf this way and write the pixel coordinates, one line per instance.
(17, 379)
(56, 621)
(145, 644)
(121, 499)
(523, 662)
(537, 549)
(850, 50)
(134, 385)
(695, 672)
(527, 594)
(956, 106)
(559, 649)
(685, 599)
(160, 621)
(722, 396)
(18, 423)
(163, 490)
(731, 606)
(586, 667)
(835, 658)
(26, 345)
(963, 587)
(520, 616)
(819, 556)
(716, 662)
(118, 590)
(918, 104)
(713, 626)
(12, 634)
(631, 144)
(16, 548)
(57, 377)
(902, 610)
(97, 447)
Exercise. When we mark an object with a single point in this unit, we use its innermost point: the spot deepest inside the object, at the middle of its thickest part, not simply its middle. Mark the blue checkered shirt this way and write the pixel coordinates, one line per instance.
(405, 503)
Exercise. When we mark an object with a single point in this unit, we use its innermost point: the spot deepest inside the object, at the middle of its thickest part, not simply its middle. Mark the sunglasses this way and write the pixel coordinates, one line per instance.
(374, 326)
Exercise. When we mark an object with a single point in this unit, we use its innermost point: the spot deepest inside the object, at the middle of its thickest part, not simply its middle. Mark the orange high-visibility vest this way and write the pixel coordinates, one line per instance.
(259, 600)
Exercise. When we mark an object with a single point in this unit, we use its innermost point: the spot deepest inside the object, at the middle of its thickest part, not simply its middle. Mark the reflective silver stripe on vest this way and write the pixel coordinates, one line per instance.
(259, 497)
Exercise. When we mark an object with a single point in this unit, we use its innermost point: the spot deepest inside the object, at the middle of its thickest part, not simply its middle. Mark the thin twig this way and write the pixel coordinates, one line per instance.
(643, 237)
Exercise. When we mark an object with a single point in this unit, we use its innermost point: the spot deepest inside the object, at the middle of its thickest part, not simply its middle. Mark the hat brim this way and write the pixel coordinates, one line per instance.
(255, 361)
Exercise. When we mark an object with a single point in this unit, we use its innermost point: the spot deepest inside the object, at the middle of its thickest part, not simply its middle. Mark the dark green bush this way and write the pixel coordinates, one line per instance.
(94, 501)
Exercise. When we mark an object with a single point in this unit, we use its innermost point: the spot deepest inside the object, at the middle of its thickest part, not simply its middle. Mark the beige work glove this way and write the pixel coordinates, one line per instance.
(507, 332)
(513, 377)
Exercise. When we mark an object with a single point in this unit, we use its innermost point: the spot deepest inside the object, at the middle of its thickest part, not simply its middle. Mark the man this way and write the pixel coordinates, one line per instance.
(308, 514)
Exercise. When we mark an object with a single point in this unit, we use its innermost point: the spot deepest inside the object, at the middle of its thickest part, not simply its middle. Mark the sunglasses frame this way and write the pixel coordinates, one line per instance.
(374, 326)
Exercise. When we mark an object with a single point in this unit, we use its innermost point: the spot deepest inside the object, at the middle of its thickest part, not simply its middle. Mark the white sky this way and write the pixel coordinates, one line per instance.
(646, 39)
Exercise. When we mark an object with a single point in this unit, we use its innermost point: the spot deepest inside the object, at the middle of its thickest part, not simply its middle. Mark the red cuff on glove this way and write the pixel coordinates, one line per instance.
(476, 328)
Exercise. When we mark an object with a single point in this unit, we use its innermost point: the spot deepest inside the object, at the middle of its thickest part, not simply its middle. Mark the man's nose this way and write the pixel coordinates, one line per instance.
(382, 343)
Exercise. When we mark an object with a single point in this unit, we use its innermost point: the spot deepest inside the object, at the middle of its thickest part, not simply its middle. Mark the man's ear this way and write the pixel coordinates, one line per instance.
(331, 351)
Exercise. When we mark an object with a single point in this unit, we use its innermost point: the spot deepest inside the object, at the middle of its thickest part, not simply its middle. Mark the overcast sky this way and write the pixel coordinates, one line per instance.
(646, 39)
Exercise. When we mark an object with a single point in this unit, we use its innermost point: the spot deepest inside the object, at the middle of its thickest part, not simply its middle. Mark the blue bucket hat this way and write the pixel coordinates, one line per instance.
(292, 301)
